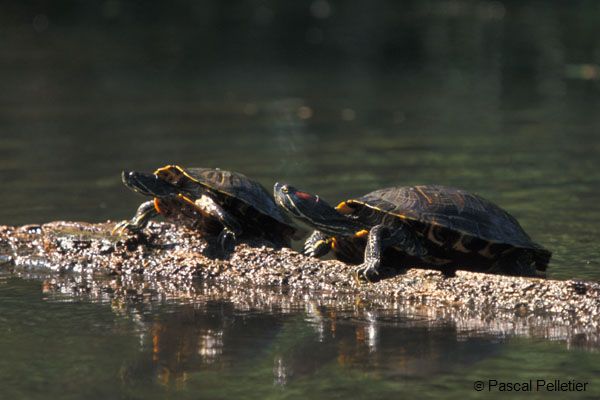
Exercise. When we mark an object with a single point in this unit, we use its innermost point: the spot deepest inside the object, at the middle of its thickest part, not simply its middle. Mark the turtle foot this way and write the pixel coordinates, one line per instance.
(226, 242)
(316, 250)
(124, 227)
(317, 245)
(368, 272)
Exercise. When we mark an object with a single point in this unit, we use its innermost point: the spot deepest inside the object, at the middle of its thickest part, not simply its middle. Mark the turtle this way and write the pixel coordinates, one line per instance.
(428, 226)
(214, 201)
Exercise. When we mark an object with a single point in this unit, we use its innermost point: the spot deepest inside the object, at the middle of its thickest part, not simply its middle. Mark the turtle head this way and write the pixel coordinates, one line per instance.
(300, 204)
(147, 184)
(312, 210)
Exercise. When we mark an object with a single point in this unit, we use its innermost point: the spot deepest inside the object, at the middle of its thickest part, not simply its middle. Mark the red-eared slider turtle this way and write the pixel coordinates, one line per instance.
(433, 226)
(216, 202)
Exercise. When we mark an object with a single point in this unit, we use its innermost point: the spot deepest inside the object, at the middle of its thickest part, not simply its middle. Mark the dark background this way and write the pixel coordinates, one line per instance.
(532, 42)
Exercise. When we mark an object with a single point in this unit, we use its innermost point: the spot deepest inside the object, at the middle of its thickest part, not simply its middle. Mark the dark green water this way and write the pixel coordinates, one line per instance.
(490, 100)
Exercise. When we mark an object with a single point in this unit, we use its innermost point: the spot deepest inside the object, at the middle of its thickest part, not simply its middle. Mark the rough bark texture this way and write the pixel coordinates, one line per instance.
(169, 262)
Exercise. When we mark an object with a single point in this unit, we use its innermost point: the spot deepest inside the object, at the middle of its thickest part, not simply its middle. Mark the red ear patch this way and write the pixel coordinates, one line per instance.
(305, 196)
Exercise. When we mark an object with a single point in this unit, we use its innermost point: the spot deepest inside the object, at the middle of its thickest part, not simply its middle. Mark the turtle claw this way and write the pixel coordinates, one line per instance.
(127, 226)
(121, 228)
(144, 213)
(309, 251)
(117, 229)
(316, 249)
(226, 241)
(367, 272)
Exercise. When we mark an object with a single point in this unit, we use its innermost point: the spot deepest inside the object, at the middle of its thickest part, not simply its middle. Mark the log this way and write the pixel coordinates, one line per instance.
(168, 262)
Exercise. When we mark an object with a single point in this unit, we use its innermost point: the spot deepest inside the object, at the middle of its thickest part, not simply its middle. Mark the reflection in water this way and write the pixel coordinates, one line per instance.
(371, 331)
(211, 345)
(281, 372)
(316, 320)
(190, 340)
(223, 341)
(182, 342)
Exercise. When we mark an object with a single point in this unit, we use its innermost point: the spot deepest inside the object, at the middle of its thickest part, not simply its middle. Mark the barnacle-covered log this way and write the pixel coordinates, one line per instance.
(166, 262)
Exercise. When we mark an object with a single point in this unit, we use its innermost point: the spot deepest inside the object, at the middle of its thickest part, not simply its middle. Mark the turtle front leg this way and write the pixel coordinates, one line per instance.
(317, 245)
(145, 212)
(231, 227)
(369, 269)
(381, 237)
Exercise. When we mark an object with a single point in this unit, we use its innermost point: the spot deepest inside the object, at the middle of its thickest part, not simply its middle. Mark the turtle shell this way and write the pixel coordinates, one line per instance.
(445, 209)
(226, 183)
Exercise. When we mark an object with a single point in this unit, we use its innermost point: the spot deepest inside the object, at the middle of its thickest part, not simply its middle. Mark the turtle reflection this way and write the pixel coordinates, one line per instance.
(210, 341)
(364, 339)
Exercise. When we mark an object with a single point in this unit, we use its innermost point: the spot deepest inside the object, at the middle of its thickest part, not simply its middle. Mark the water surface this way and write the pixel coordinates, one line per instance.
(491, 100)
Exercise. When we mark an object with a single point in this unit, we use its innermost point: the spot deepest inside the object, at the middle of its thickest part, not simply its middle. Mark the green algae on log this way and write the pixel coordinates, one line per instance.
(173, 262)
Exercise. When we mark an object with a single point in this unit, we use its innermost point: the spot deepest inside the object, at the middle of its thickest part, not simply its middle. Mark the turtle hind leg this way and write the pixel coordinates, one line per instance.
(317, 245)
(145, 212)
(228, 236)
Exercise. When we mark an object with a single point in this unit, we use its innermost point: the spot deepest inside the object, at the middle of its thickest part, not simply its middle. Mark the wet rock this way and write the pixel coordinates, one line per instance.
(172, 262)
